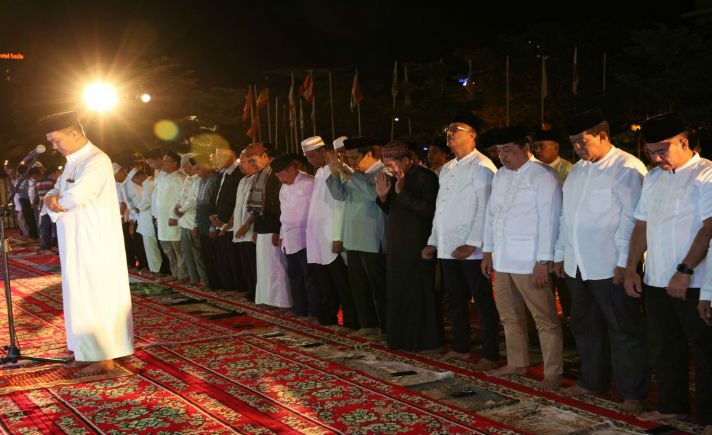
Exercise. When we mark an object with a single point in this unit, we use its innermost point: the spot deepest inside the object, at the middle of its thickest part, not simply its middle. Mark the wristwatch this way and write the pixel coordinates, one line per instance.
(685, 269)
(543, 262)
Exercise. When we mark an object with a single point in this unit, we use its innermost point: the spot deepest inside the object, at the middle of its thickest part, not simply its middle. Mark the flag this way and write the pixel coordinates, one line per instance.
(252, 131)
(544, 81)
(356, 95)
(470, 82)
(394, 86)
(575, 76)
(263, 98)
(292, 105)
(248, 105)
(306, 90)
(405, 80)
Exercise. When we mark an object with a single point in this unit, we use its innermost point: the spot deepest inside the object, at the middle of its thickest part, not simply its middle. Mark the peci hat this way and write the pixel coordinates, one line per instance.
(339, 142)
(661, 127)
(583, 121)
(312, 143)
(57, 121)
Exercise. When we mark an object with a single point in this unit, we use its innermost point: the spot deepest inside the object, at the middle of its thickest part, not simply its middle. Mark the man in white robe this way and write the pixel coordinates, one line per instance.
(145, 222)
(95, 285)
(167, 193)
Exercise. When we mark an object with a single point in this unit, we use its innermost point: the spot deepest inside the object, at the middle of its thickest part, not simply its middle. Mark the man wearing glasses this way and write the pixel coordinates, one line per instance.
(674, 223)
(364, 230)
(456, 239)
(600, 195)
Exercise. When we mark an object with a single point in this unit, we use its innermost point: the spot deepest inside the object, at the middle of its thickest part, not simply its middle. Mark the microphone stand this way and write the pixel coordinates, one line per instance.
(13, 351)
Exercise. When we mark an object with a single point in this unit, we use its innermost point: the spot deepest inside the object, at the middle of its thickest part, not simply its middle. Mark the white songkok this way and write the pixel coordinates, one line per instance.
(116, 166)
(339, 142)
(312, 143)
(186, 157)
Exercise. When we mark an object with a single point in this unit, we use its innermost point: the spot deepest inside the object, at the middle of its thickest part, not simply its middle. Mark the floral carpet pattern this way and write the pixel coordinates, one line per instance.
(208, 363)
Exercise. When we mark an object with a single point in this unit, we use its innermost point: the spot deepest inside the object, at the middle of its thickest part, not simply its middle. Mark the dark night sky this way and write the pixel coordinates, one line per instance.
(231, 43)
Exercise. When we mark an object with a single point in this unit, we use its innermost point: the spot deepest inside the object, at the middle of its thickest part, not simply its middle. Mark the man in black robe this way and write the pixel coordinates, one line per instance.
(406, 193)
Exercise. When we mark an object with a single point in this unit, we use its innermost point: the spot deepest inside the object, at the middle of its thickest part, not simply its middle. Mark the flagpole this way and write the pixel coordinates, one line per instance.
(394, 91)
(252, 122)
(257, 113)
(331, 106)
(269, 123)
(301, 119)
(506, 97)
(313, 112)
(358, 114)
(574, 74)
(544, 86)
(604, 71)
(276, 122)
(287, 131)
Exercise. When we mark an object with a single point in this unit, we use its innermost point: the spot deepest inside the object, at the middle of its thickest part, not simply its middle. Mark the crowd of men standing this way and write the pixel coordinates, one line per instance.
(364, 229)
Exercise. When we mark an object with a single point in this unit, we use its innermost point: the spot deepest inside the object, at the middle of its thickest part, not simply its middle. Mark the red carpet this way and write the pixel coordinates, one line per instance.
(195, 375)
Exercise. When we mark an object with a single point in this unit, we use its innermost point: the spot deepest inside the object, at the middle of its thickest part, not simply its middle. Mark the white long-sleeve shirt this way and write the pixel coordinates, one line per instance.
(521, 224)
(325, 222)
(674, 204)
(465, 187)
(186, 201)
(240, 214)
(145, 218)
(294, 206)
(131, 193)
(597, 214)
(166, 193)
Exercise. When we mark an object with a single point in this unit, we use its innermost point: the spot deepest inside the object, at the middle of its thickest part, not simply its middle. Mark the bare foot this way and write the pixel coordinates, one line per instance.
(97, 367)
(574, 391)
(453, 355)
(654, 416)
(507, 370)
(631, 406)
(484, 364)
(74, 364)
(549, 383)
(363, 332)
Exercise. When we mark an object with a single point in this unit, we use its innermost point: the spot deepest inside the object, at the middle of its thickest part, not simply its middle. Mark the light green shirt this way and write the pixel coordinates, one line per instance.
(562, 168)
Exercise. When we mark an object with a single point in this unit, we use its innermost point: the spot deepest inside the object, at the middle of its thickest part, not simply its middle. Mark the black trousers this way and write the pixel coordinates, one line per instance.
(29, 214)
(128, 246)
(333, 282)
(302, 285)
(248, 263)
(463, 279)
(674, 325)
(138, 249)
(562, 289)
(209, 249)
(367, 279)
(228, 263)
(609, 329)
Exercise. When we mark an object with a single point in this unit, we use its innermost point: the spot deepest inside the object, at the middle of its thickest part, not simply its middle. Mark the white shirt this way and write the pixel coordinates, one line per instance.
(465, 187)
(674, 204)
(522, 225)
(240, 214)
(166, 193)
(120, 197)
(294, 206)
(157, 177)
(95, 280)
(597, 214)
(131, 194)
(325, 223)
(186, 201)
(145, 218)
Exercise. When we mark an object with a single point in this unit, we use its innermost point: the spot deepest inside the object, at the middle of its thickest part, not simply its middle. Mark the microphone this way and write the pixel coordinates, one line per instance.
(39, 149)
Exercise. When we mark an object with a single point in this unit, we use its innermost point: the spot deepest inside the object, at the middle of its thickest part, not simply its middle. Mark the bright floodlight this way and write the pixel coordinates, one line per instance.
(145, 98)
(100, 96)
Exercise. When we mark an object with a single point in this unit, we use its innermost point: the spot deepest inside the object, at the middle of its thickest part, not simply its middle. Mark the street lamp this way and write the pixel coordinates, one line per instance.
(100, 96)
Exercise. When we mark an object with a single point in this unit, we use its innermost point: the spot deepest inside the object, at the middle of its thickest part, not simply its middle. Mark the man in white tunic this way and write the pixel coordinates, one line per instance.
(144, 225)
(674, 224)
(185, 209)
(521, 228)
(456, 239)
(167, 193)
(294, 197)
(242, 221)
(95, 284)
(600, 194)
(325, 235)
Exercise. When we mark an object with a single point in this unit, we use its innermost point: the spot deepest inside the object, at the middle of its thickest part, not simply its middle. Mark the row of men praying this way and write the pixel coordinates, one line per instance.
(361, 235)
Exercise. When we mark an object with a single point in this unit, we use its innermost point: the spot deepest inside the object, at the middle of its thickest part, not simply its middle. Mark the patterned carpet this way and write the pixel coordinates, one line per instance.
(208, 363)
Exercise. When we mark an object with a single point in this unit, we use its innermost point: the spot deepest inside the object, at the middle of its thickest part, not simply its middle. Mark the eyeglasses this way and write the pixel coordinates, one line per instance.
(453, 128)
